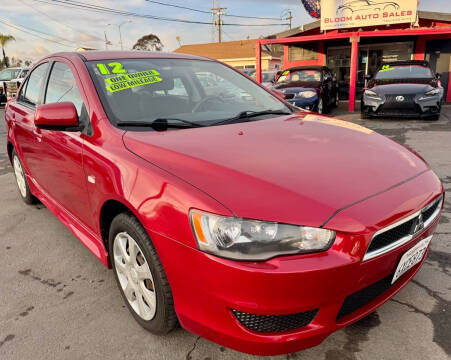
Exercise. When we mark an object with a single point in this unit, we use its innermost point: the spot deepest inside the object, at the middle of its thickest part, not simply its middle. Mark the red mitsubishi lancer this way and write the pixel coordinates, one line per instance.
(218, 205)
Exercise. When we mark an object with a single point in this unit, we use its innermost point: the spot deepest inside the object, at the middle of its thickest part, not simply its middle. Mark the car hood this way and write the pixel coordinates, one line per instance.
(297, 169)
(298, 85)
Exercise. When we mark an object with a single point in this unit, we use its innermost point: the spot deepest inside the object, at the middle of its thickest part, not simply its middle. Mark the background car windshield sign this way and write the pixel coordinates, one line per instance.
(341, 14)
(404, 72)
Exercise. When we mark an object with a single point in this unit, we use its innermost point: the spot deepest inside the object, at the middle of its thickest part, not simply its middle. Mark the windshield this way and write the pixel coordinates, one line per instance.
(299, 75)
(9, 74)
(391, 72)
(201, 92)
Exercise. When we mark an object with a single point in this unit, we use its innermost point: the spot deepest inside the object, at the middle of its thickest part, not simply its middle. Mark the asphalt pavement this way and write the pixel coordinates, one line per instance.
(57, 301)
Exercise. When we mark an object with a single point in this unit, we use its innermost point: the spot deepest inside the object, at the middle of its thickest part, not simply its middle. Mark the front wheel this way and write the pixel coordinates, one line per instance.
(337, 100)
(21, 180)
(320, 106)
(364, 111)
(140, 275)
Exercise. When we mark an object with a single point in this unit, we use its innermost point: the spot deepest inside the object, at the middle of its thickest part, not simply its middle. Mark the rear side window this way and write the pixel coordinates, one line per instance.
(34, 85)
(63, 87)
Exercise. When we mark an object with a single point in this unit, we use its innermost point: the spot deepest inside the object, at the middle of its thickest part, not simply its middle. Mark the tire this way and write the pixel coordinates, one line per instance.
(364, 112)
(320, 107)
(435, 117)
(21, 180)
(337, 100)
(155, 312)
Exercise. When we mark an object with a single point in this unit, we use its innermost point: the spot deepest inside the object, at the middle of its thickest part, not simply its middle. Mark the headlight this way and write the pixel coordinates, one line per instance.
(372, 94)
(306, 94)
(432, 92)
(243, 239)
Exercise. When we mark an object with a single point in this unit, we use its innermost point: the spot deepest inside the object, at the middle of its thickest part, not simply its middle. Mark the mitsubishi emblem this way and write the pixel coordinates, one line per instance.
(419, 225)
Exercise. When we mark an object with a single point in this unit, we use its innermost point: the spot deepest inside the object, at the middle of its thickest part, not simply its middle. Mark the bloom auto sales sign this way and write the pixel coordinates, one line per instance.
(342, 14)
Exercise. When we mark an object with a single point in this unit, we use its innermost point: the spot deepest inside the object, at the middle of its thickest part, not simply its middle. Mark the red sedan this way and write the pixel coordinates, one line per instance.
(218, 205)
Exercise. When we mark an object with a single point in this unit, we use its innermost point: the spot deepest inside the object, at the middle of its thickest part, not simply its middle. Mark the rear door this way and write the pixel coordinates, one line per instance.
(22, 111)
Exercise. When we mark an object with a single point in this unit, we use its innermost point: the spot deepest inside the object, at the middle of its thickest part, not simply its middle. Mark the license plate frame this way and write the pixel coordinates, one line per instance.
(411, 258)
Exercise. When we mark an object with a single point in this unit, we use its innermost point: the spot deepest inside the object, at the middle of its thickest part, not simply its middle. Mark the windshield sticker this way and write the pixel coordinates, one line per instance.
(116, 68)
(386, 68)
(128, 81)
(285, 73)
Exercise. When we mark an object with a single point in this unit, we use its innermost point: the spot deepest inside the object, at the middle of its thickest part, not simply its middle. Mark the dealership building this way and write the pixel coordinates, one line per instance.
(354, 46)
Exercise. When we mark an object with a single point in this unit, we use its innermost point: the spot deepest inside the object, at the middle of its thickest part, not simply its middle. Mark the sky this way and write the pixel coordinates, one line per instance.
(64, 29)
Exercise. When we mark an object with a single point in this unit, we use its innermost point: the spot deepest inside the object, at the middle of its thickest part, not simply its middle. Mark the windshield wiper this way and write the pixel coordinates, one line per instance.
(161, 124)
(251, 114)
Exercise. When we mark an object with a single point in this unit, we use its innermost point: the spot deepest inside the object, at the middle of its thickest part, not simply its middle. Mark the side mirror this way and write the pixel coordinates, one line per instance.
(438, 76)
(57, 116)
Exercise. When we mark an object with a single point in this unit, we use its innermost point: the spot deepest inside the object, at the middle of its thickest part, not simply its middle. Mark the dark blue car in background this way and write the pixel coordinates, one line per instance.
(309, 87)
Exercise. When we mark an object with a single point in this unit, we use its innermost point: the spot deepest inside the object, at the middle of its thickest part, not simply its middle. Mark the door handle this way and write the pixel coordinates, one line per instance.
(38, 134)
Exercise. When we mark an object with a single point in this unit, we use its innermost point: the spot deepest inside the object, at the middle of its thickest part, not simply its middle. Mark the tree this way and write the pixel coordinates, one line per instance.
(149, 42)
(4, 39)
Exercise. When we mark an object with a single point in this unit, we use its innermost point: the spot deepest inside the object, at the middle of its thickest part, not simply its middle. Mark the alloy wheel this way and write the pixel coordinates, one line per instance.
(134, 276)
(20, 176)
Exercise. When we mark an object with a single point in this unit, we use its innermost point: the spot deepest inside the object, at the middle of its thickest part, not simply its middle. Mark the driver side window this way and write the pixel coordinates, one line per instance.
(63, 87)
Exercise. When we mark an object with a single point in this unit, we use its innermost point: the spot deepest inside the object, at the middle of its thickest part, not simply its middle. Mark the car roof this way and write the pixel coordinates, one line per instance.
(98, 55)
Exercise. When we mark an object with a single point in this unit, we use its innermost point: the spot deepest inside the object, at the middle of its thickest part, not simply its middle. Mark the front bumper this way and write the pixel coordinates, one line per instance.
(411, 106)
(307, 104)
(213, 297)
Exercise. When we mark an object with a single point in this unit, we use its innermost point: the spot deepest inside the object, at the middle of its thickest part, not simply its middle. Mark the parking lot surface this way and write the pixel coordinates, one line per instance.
(58, 302)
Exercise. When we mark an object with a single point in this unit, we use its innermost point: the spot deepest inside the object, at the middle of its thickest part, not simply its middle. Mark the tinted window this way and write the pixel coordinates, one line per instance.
(20, 96)
(34, 85)
(63, 87)
(404, 72)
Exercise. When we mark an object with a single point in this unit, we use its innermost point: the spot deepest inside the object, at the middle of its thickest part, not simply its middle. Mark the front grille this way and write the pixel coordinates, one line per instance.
(402, 232)
(289, 96)
(274, 323)
(392, 103)
(365, 296)
(393, 107)
(428, 212)
(386, 238)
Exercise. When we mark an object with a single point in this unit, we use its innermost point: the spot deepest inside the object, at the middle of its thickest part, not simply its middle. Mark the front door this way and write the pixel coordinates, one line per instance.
(63, 176)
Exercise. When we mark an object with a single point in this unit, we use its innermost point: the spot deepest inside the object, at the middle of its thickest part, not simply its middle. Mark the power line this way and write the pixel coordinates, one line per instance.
(41, 32)
(96, 8)
(59, 22)
(209, 12)
(28, 32)
(179, 7)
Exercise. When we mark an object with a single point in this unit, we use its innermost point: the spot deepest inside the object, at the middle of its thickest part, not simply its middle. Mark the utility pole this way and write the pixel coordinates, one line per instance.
(219, 12)
(290, 17)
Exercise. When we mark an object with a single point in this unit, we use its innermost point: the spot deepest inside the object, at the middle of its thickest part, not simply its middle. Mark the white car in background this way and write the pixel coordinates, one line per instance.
(13, 74)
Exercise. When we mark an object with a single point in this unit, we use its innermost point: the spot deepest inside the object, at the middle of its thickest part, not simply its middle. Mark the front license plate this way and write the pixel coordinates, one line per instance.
(411, 258)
